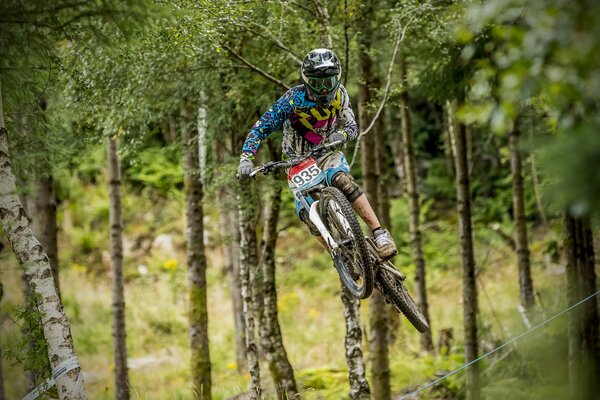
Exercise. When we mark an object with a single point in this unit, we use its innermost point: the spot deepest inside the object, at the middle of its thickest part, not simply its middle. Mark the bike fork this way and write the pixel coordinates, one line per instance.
(314, 217)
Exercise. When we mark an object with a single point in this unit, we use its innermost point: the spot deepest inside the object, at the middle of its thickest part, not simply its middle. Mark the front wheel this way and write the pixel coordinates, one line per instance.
(350, 257)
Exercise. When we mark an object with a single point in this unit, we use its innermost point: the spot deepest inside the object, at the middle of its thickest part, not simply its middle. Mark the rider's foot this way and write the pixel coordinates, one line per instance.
(384, 244)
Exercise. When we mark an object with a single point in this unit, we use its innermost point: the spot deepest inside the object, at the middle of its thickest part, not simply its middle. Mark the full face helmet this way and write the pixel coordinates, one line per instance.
(321, 73)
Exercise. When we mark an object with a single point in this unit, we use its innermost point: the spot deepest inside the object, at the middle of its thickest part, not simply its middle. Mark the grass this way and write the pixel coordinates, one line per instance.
(310, 314)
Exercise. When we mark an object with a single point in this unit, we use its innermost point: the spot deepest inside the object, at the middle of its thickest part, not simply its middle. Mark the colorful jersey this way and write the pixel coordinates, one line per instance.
(305, 124)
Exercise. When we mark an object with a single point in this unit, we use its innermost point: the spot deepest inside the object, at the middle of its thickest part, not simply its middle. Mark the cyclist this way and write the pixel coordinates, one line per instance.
(318, 111)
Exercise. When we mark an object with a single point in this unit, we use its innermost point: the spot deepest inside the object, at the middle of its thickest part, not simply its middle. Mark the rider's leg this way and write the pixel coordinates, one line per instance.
(338, 175)
(386, 247)
(384, 242)
(363, 208)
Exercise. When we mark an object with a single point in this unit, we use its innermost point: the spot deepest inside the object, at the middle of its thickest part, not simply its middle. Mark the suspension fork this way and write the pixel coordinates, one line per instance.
(315, 218)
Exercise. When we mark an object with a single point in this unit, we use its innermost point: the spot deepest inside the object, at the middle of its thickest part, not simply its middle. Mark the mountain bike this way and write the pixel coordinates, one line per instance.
(354, 255)
(331, 213)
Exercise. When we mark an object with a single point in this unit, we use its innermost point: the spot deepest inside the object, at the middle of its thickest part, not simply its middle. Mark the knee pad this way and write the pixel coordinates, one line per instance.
(311, 227)
(345, 183)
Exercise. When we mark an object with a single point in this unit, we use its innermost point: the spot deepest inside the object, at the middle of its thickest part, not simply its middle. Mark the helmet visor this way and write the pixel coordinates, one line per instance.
(322, 85)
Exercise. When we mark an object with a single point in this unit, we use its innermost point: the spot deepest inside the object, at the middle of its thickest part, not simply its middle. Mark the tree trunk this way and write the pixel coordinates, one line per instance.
(230, 231)
(196, 260)
(380, 370)
(2, 392)
(359, 387)
(44, 210)
(44, 222)
(248, 269)
(521, 241)
(468, 261)
(412, 190)
(270, 332)
(118, 297)
(584, 351)
(38, 273)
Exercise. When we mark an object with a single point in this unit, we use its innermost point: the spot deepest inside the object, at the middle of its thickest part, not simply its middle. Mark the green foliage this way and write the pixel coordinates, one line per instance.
(29, 350)
(156, 168)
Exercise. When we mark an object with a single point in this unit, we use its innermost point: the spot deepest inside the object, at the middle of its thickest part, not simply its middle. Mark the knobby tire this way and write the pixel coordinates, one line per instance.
(397, 295)
(331, 194)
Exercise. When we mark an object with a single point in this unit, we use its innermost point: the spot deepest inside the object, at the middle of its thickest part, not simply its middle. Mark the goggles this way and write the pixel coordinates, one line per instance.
(318, 84)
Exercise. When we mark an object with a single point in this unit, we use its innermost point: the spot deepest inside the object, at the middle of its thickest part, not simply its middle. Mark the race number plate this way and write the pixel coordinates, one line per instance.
(303, 173)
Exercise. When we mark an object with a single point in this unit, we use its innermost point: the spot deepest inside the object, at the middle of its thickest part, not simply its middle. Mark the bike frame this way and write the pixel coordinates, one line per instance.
(301, 192)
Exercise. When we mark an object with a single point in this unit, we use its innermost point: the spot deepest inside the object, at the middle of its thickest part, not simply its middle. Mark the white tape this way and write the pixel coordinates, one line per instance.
(61, 369)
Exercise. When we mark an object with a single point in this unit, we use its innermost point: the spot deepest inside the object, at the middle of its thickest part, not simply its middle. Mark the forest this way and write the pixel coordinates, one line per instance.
(134, 264)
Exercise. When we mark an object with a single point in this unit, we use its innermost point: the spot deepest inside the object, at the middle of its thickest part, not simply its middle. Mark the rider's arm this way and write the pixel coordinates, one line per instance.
(346, 117)
(269, 122)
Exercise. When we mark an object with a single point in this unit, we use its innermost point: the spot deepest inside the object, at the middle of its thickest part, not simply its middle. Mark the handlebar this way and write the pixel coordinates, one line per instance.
(270, 166)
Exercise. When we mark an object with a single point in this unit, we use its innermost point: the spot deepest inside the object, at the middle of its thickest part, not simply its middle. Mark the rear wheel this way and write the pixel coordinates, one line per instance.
(396, 294)
(350, 258)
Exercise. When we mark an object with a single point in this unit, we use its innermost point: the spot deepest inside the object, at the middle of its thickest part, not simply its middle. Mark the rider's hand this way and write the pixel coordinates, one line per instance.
(245, 168)
(339, 136)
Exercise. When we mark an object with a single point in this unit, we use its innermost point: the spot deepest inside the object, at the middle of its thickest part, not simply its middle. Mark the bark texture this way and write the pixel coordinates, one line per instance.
(248, 270)
(196, 260)
(44, 222)
(270, 332)
(118, 297)
(521, 241)
(584, 339)
(229, 221)
(2, 392)
(359, 387)
(468, 261)
(412, 190)
(38, 273)
(380, 371)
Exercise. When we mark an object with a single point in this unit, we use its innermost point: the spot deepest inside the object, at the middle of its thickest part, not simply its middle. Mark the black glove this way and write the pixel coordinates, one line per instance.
(337, 137)
(245, 168)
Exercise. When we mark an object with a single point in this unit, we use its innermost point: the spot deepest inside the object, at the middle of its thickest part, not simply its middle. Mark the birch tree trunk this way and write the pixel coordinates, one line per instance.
(584, 351)
(38, 273)
(118, 297)
(521, 241)
(248, 266)
(415, 209)
(463, 190)
(270, 332)
(359, 386)
(196, 260)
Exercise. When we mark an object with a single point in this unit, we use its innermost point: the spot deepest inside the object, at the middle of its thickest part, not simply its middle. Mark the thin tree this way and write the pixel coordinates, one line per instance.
(2, 392)
(463, 190)
(359, 386)
(44, 209)
(229, 221)
(584, 345)
(196, 259)
(521, 241)
(38, 273)
(270, 333)
(412, 191)
(118, 296)
(380, 369)
(248, 267)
